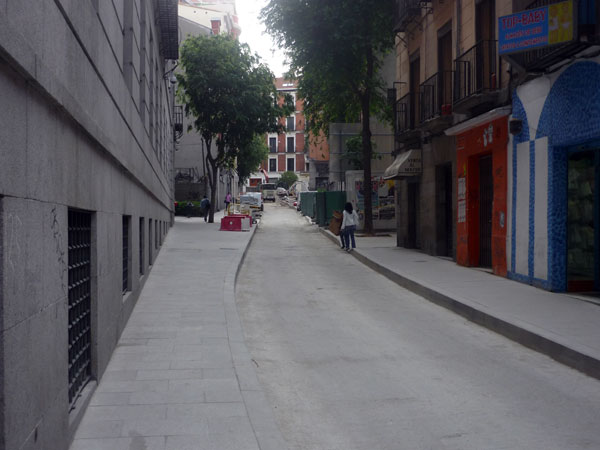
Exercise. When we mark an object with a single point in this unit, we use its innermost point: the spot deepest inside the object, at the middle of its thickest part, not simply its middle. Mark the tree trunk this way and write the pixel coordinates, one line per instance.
(212, 181)
(367, 147)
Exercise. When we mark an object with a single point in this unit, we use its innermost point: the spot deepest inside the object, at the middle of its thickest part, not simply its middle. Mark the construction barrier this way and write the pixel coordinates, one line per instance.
(236, 222)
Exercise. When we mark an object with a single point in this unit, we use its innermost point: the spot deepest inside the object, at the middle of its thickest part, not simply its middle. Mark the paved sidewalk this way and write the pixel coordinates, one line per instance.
(562, 326)
(181, 377)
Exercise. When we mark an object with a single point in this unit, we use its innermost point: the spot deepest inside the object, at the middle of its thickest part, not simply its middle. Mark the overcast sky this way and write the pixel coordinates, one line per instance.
(253, 34)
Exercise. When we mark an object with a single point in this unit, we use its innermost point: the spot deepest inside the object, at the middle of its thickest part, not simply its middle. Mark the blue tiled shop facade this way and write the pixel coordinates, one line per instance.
(569, 118)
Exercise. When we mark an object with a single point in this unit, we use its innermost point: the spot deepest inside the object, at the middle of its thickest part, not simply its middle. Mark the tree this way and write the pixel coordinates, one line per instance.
(336, 49)
(287, 179)
(250, 156)
(230, 96)
(353, 152)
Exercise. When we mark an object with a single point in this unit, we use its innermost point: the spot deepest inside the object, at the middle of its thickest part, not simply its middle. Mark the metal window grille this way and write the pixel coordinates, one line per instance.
(141, 246)
(125, 253)
(150, 242)
(79, 293)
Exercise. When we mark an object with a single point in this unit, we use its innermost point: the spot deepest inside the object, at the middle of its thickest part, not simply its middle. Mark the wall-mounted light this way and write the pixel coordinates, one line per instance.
(515, 126)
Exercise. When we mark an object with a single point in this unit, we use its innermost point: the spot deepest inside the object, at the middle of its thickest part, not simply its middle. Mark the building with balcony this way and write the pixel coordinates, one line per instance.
(291, 150)
(202, 19)
(449, 73)
(500, 101)
(86, 197)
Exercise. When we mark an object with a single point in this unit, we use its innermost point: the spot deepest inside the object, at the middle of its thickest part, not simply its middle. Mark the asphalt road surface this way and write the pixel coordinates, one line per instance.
(349, 360)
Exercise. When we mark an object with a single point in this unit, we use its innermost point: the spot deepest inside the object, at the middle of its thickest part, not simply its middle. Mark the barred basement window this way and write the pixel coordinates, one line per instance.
(79, 293)
(149, 242)
(141, 229)
(126, 222)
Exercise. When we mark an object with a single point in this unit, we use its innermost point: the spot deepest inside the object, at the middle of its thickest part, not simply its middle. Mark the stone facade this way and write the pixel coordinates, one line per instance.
(86, 126)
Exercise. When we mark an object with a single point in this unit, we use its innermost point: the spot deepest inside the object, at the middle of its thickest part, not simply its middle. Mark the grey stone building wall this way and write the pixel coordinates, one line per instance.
(85, 124)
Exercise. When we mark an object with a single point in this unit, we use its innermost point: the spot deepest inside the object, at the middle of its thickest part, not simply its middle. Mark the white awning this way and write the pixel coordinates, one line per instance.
(406, 164)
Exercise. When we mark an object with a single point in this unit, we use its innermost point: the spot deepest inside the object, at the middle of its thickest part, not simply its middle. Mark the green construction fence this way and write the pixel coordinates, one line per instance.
(320, 205)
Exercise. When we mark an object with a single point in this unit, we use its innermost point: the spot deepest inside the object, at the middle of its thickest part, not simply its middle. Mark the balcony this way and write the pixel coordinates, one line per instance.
(177, 122)
(476, 78)
(409, 11)
(435, 96)
(587, 33)
(404, 121)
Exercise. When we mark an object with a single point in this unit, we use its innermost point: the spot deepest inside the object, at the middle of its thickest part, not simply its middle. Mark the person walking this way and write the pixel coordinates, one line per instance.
(205, 205)
(349, 223)
(227, 202)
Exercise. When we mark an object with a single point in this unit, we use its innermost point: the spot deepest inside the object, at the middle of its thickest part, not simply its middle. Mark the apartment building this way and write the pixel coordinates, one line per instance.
(488, 157)
(202, 19)
(86, 197)
(293, 150)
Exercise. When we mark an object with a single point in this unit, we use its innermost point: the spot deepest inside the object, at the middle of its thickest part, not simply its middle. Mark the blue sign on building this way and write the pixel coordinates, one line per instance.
(533, 28)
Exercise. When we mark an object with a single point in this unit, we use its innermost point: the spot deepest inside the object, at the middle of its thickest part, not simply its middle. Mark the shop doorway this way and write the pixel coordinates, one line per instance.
(413, 216)
(583, 221)
(486, 198)
(444, 222)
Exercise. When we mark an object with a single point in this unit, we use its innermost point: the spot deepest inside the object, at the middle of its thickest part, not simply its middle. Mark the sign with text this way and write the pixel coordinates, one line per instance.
(534, 28)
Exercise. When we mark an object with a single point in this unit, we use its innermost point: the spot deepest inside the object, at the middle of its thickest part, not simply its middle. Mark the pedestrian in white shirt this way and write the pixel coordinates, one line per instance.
(349, 223)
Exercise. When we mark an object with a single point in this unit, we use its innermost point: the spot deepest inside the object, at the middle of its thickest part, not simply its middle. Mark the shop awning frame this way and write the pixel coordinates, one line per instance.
(479, 120)
(406, 164)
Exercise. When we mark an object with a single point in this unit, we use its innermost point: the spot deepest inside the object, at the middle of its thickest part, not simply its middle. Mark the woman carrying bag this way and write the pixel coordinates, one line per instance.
(349, 223)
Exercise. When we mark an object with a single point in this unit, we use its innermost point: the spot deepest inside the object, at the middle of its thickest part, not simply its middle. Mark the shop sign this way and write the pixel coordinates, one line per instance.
(534, 28)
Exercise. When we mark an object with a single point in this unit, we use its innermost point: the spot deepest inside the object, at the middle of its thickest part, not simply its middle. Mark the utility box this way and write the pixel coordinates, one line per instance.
(308, 204)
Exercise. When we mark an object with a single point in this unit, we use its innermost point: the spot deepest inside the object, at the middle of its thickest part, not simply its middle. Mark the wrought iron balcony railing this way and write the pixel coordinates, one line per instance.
(435, 95)
(407, 11)
(476, 71)
(404, 117)
(177, 121)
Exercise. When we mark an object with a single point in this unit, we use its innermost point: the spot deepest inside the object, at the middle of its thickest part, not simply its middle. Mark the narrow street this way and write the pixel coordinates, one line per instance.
(349, 360)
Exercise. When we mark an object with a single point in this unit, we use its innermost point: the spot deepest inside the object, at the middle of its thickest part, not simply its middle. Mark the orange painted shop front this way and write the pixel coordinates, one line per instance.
(481, 196)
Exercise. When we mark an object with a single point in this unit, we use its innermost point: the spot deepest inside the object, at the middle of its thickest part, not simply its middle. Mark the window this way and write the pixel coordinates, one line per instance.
(126, 248)
(290, 145)
(80, 305)
(141, 246)
(290, 124)
(273, 144)
(290, 164)
(150, 242)
(272, 165)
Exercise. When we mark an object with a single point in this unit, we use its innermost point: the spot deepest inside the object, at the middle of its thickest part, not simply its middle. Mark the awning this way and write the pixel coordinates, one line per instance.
(406, 164)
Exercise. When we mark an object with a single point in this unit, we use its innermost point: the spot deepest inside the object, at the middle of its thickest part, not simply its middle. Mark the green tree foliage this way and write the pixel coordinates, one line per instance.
(250, 156)
(287, 179)
(229, 94)
(353, 152)
(336, 49)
